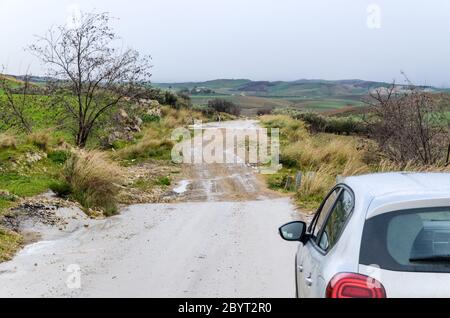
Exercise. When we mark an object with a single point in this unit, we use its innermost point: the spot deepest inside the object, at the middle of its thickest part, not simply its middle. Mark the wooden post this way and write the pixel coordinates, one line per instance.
(298, 180)
(288, 183)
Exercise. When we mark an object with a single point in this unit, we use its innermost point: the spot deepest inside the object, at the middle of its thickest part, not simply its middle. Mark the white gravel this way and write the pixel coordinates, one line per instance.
(216, 249)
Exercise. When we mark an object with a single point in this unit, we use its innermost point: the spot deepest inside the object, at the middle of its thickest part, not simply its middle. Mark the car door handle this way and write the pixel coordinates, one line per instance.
(300, 268)
(308, 281)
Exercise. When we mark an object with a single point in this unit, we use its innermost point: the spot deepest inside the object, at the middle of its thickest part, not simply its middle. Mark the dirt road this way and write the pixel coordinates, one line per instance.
(223, 243)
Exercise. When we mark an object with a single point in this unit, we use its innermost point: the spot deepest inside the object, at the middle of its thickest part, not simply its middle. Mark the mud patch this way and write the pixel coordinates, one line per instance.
(32, 212)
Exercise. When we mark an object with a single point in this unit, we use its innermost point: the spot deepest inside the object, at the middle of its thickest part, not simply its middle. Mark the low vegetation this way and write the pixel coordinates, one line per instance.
(10, 242)
(322, 154)
(224, 106)
(320, 158)
(93, 180)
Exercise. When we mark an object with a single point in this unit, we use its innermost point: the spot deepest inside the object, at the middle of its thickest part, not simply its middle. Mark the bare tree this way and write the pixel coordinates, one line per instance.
(16, 99)
(409, 124)
(90, 75)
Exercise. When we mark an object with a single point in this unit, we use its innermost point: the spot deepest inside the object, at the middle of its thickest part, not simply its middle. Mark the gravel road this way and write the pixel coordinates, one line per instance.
(226, 246)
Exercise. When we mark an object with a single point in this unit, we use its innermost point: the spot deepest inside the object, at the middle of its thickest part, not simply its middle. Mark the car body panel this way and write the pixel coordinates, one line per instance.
(410, 284)
(373, 195)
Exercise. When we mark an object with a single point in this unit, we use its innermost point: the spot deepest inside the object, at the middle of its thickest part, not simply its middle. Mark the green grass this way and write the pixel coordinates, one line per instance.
(23, 185)
(10, 242)
(251, 104)
(23, 179)
(163, 181)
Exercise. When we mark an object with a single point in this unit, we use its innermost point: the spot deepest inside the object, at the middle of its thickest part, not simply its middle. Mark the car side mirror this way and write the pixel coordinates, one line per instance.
(293, 232)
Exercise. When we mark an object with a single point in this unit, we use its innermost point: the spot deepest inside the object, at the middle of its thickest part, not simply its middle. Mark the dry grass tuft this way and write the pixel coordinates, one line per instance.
(94, 180)
(315, 185)
(8, 141)
(40, 139)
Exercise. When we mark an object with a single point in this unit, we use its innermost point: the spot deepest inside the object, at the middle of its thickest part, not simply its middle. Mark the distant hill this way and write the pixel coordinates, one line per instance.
(302, 88)
(313, 95)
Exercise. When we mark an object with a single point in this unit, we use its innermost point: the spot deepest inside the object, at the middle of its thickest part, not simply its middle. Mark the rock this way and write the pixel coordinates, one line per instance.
(123, 114)
(138, 121)
(155, 112)
(135, 128)
(34, 157)
(154, 104)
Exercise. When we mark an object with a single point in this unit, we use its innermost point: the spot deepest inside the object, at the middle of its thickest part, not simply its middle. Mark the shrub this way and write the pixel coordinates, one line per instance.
(264, 111)
(205, 110)
(93, 180)
(58, 156)
(7, 141)
(119, 144)
(224, 106)
(147, 118)
(411, 126)
(276, 181)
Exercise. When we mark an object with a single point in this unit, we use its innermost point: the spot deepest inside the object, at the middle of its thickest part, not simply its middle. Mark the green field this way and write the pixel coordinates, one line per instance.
(308, 95)
(251, 104)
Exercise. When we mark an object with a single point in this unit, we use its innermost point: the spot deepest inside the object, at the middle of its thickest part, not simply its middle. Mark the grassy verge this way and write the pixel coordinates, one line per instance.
(320, 158)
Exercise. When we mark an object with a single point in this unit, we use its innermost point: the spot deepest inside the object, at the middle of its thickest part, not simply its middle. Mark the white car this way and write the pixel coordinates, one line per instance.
(377, 236)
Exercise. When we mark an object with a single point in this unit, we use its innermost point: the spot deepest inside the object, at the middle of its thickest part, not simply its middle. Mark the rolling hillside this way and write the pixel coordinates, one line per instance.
(312, 95)
(300, 88)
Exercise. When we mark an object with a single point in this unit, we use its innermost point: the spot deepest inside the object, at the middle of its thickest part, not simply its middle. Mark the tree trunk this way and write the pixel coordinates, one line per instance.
(82, 136)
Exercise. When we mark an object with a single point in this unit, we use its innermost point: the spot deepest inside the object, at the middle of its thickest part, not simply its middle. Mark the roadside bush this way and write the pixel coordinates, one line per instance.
(205, 110)
(276, 181)
(224, 106)
(7, 141)
(93, 181)
(413, 126)
(316, 123)
(333, 125)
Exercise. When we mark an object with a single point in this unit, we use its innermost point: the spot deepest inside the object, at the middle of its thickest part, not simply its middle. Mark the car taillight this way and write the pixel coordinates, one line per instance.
(348, 285)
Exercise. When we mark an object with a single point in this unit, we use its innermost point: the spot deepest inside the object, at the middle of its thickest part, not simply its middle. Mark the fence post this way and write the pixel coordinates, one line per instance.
(298, 180)
(288, 183)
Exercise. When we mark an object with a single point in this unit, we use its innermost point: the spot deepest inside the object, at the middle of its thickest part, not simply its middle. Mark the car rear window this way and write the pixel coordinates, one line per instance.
(409, 240)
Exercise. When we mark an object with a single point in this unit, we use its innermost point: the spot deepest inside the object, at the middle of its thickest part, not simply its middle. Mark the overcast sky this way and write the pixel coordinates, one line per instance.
(193, 40)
